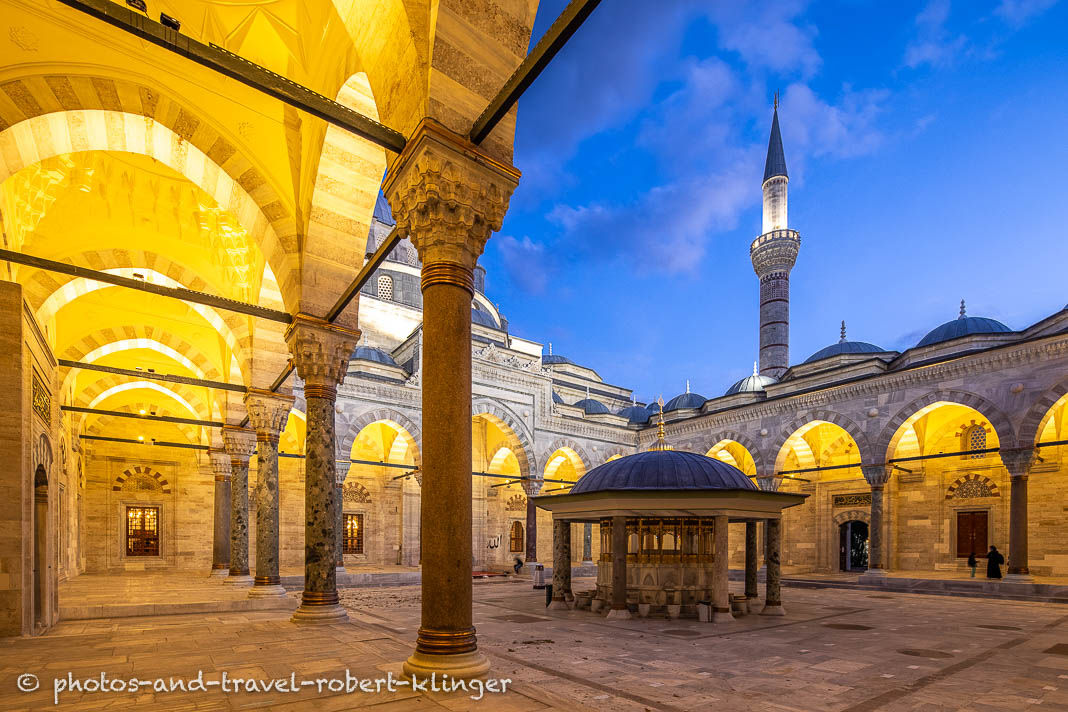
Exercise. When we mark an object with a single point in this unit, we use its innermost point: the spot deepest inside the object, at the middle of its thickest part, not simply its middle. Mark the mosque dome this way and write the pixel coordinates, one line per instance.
(751, 384)
(635, 414)
(963, 326)
(370, 353)
(483, 318)
(383, 213)
(591, 406)
(550, 359)
(845, 347)
(664, 470)
(557, 399)
(685, 400)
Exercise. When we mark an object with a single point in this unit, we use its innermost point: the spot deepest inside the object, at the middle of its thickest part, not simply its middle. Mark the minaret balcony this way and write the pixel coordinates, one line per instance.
(775, 251)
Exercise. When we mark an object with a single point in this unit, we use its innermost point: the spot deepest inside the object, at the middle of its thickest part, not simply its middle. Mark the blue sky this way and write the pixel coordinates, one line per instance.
(927, 147)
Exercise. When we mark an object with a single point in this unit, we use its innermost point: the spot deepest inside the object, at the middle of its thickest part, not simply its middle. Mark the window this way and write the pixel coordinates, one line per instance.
(353, 541)
(385, 288)
(973, 437)
(515, 538)
(142, 531)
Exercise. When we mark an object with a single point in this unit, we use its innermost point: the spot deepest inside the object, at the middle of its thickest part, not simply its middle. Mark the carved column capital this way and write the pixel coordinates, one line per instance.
(1018, 461)
(239, 443)
(267, 411)
(877, 475)
(769, 484)
(449, 196)
(341, 470)
(220, 464)
(532, 487)
(321, 353)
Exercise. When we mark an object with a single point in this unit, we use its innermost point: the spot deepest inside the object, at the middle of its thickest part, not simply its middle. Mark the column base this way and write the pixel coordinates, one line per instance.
(320, 614)
(340, 568)
(774, 609)
(875, 572)
(558, 605)
(722, 616)
(1019, 578)
(273, 590)
(618, 614)
(463, 666)
(220, 573)
(238, 579)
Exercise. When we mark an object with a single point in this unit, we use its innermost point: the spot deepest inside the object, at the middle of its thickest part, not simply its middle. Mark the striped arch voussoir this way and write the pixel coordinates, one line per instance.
(141, 472)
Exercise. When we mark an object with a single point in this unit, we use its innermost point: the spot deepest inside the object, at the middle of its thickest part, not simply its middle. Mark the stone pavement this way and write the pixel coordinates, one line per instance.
(837, 650)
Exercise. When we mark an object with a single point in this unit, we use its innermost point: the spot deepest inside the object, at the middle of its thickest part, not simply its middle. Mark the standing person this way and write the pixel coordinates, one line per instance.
(972, 563)
(994, 560)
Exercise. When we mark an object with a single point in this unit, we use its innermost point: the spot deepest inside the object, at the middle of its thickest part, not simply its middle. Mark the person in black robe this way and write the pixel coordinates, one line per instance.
(994, 560)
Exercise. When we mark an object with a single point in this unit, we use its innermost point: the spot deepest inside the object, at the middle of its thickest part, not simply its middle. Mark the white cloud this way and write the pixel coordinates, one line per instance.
(767, 34)
(933, 44)
(525, 261)
(1019, 12)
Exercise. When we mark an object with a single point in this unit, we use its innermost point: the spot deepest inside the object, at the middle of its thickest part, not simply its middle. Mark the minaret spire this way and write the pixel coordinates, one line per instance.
(773, 255)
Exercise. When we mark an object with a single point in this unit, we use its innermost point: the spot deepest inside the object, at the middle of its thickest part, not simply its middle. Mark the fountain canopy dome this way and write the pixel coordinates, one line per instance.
(664, 470)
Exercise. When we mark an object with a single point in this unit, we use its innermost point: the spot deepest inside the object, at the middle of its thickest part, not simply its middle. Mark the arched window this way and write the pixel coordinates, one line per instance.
(515, 538)
(385, 288)
(973, 437)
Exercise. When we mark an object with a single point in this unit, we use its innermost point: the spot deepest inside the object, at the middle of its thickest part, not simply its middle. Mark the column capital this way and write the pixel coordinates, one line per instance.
(877, 475)
(239, 443)
(532, 487)
(220, 464)
(769, 484)
(267, 411)
(341, 470)
(321, 353)
(449, 196)
(1018, 461)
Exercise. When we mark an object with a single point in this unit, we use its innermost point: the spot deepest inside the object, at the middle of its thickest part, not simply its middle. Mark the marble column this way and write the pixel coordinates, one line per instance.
(321, 353)
(531, 488)
(721, 602)
(772, 590)
(449, 195)
(619, 570)
(342, 464)
(751, 560)
(220, 550)
(877, 477)
(561, 563)
(239, 444)
(1018, 462)
(267, 414)
(587, 543)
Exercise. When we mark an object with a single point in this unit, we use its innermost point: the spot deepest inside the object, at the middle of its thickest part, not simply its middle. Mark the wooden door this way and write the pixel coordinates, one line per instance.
(972, 534)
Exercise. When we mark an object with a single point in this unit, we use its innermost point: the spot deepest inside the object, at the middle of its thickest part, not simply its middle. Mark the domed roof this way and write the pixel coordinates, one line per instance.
(845, 347)
(557, 398)
(635, 414)
(591, 406)
(370, 353)
(751, 384)
(483, 318)
(383, 213)
(963, 326)
(665, 470)
(685, 400)
(549, 359)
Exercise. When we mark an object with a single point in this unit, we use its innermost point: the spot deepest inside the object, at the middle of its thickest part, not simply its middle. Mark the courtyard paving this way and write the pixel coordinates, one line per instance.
(838, 650)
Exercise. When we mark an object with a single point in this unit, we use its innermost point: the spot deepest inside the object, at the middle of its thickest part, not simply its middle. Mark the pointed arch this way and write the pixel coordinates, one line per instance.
(524, 451)
(745, 441)
(892, 431)
(353, 424)
(567, 443)
(858, 435)
(1034, 418)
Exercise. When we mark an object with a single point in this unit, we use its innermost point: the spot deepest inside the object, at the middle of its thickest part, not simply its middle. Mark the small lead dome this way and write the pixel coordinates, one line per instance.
(685, 401)
(664, 470)
(845, 347)
(751, 384)
(963, 326)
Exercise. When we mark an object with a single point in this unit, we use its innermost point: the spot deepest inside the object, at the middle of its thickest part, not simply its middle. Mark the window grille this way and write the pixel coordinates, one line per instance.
(385, 288)
(353, 541)
(142, 531)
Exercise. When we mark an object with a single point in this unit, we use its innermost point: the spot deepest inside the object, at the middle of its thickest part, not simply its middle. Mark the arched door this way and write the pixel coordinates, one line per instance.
(853, 546)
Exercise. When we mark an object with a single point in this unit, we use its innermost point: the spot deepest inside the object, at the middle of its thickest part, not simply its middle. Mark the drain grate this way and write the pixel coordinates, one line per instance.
(846, 626)
(683, 632)
(930, 654)
(999, 627)
(1058, 649)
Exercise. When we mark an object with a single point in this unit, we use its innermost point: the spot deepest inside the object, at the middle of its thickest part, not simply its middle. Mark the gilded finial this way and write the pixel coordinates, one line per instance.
(661, 443)
(756, 372)
(842, 340)
(776, 100)
(550, 348)
(687, 385)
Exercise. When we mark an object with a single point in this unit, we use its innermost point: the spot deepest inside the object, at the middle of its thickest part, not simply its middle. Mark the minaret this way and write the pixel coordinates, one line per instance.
(773, 255)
